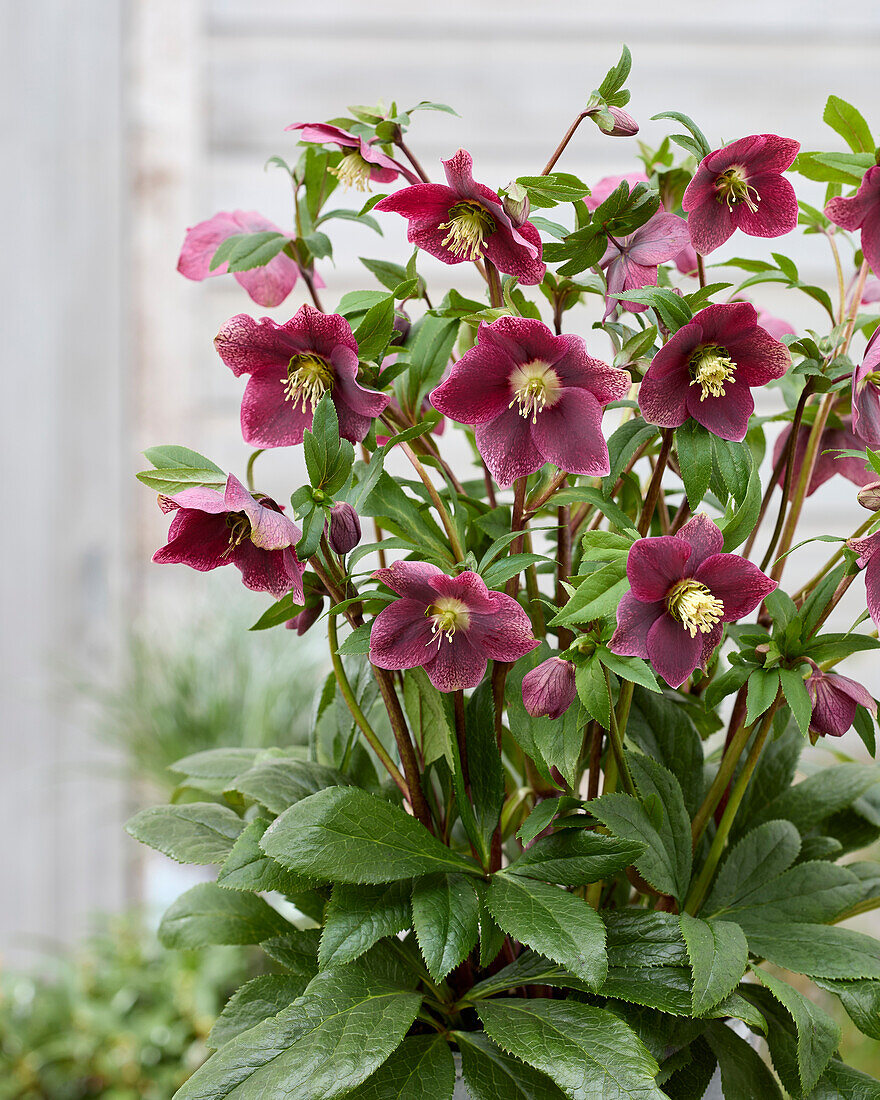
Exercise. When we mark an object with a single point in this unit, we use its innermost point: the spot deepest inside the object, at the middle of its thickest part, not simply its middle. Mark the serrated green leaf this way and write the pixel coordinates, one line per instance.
(247, 867)
(359, 916)
(597, 595)
(490, 1074)
(253, 1002)
(861, 999)
(811, 891)
(641, 938)
(744, 1076)
(208, 914)
(694, 446)
(277, 784)
(589, 1052)
(170, 480)
(375, 330)
(759, 858)
(575, 857)
(170, 456)
(818, 1036)
(422, 1068)
(343, 834)
(809, 802)
(196, 832)
(485, 770)
(817, 949)
(445, 911)
(429, 717)
(763, 686)
(846, 121)
(719, 956)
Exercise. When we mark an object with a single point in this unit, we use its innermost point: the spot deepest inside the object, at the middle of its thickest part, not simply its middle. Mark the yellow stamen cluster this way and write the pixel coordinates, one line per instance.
(239, 529)
(733, 187)
(469, 225)
(447, 615)
(711, 367)
(694, 606)
(353, 171)
(535, 387)
(308, 379)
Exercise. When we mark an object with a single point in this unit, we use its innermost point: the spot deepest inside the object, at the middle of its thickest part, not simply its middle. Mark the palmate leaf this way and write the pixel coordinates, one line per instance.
(760, 857)
(328, 1042)
(589, 1052)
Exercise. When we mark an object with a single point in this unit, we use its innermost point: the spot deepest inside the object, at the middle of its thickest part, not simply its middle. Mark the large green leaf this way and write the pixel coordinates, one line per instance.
(343, 834)
(818, 796)
(429, 716)
(861, 999)
(818, 1036)
(555, 923)
(490, 1074)
(208, 914)
(574, 857)
(422, 1068)
(744, 1076)
(812, 891)
(359, 916)
(640, 937)
(247, 867)
(589, 1052)
(719, 955)
(485, 771)
(445, 910)
(195, 832)
(663, 730)
(277, 784)
(256, 1000)
(669, 989)
(817, 949)
(760, 857)
(325, 1044)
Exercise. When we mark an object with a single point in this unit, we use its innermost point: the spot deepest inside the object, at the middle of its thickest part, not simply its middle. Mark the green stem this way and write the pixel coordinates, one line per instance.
(616, 739)
(790, 452)
(701, 886)
(445, 518)
(802, 593)
(720, 783)
(250, 468)
(357, 713)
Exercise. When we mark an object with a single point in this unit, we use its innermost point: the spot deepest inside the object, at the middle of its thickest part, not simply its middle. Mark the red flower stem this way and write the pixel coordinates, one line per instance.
(537, 502)
(310, 283)
(560, 148)
(348, 695)
(496, 297)
(489, 483)
(411, 157)
(774, 477)
(656, 481)
(681, 516)
(701, 270)
(790, 452)
(701, 886)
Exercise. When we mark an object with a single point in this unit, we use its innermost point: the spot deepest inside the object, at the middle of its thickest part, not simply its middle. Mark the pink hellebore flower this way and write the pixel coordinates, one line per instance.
(683, 588)
(775, 325)
(686, 260)
(450, 626)
(466, 221)
(862, 211)
(828, 461)
(834, 700)
(550, 688)
(707, 368)
(362, 164)
(534, 398)
(866, 394)
(868, 550)
(608, 185)
(630, 262)
(741, 187)
(212, 529)
(268, 285)
(292, 366)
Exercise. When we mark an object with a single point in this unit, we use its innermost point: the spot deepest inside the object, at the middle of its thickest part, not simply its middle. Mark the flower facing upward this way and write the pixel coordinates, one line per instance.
(862, 211)
(291, 367)
(268, 285)
(630, 262)
(362, 164)
(467, 221)
(450, 626)
(534, 398)
(828, 461)
(550, 688)
(683, 588)
(834, 700)
(866, 394)
(868, 550)
(741, 187)
(706, 371)
(211, 529)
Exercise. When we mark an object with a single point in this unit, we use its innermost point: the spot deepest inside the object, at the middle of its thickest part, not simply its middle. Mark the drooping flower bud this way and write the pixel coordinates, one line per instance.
(549, 689)
(515, 200)
(611, 120)
(869, 497)
(306, 618)
(834, 700)
(345, 528)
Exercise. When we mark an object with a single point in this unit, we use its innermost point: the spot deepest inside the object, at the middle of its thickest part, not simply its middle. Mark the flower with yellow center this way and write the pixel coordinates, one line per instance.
(469, 225)
(711, 367)
(733, 187)
(353, 171)
(239, 529)
(535, 387)
(309, 377)
(694, 606)
(447, 615)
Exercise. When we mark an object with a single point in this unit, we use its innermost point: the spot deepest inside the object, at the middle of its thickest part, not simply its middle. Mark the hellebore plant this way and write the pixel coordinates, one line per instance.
(550, 837)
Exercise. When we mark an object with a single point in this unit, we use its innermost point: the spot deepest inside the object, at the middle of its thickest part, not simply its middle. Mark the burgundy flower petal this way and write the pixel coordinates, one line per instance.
(659, 240)
(710, 224)
(634, 619)
(672, 651)
(866, 409)
(269, 285)
(777, 211)
(268, 419)
(322, 133)
(504, 632)
(249, 346)
(872, 587)
(204, 500)
(727, 416)
(870, 239)
(727, 322)
(758, 357)
(663, 393)
(833, 711)
(774, 154)
(655, 564)
(851, 213)
(456, 664)
(469, 587)
(401, 636)
(274, 571)
(737, 582)
(704, 537)
(421, 201)
(197, 539)
(413, 579)
(270, 529)
(511, 257)
(569, 434)
(507, 447)
(478, 387)
(550, 689)
(855, 691)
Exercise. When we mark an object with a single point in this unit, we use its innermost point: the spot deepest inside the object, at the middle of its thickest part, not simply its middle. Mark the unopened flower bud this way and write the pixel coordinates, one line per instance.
(834, 700)
(549, 689)
(612, 120)
(515, 200)
(345, 528)
(306, 618)
(869, 497)
(401, 328)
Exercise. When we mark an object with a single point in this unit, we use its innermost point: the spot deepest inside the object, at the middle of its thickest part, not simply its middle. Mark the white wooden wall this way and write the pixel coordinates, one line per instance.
(128, 120)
